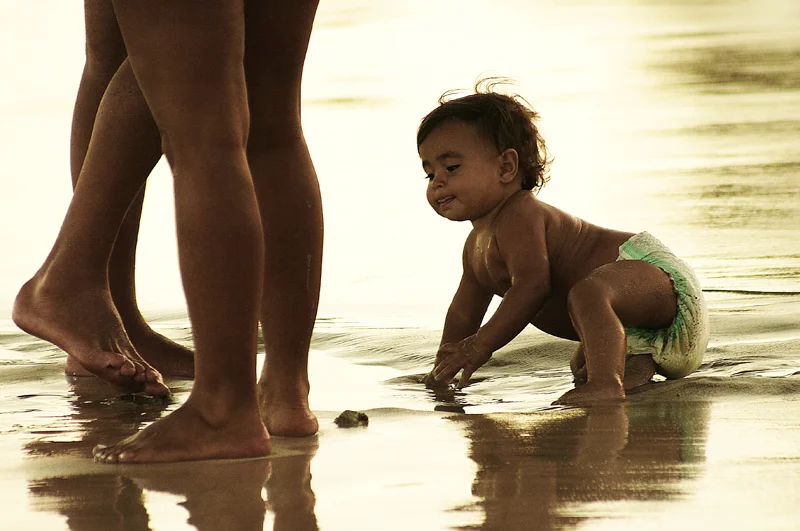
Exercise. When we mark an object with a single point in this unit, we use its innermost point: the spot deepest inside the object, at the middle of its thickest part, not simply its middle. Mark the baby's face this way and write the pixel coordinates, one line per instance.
(463, 171)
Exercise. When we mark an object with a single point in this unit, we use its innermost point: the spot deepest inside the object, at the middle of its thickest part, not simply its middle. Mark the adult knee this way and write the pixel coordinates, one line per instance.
(203, 144)
(275, 129)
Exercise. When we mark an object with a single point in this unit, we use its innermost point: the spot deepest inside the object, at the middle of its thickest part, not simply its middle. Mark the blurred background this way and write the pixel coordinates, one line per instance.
(678, 117)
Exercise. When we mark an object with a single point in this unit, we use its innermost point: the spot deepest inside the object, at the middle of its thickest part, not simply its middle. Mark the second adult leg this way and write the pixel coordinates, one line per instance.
(68, 301)
(105, 54)
(618, 295)
(277, 35)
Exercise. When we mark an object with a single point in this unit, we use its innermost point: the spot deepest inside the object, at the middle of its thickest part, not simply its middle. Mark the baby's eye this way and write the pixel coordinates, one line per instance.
(429, 176)
(454, 167)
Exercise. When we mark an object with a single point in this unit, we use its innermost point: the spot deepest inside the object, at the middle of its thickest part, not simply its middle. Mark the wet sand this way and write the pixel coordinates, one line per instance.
(720, 448)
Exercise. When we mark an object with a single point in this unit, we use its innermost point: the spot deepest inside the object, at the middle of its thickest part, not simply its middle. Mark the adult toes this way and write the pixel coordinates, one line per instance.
(128, 367)
(157, 388)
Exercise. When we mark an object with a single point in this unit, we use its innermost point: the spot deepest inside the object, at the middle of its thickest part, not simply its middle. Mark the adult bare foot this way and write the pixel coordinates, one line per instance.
(639, 370)
(87, 327)
(592, 392)
(168, 357)
(287, 414)
(165, 355)
(188, 435)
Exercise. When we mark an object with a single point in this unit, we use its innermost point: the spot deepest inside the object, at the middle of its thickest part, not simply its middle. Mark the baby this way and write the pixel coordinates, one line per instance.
(634, 306)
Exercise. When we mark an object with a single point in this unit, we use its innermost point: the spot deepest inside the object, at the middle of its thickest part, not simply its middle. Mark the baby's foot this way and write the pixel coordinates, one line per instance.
(87, 327)
(187, 435)
(639, 370)
(592, 392)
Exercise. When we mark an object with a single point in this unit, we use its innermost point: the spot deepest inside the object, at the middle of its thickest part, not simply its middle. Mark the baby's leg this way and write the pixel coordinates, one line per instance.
(616, 295)
(577, 365)
(188, 58)
(639, 370)
(277, 35)
(105, 52)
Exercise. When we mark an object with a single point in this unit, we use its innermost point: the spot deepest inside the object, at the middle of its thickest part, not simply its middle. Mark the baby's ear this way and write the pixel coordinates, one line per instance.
(509, 165)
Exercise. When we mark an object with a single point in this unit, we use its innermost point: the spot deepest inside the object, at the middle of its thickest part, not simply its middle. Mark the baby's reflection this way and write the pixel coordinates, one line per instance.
(236, 494)
(541, 470)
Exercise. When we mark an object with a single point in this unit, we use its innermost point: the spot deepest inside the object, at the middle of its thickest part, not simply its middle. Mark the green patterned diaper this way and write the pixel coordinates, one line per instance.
(677, 350)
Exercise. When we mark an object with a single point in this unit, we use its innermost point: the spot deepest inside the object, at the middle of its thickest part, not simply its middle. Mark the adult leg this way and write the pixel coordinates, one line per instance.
(105, 52)
(68, 301)
(277, 35)
(628, 293)
(188, 60)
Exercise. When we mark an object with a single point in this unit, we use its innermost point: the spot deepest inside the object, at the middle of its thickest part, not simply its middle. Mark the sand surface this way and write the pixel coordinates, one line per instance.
(719, 449)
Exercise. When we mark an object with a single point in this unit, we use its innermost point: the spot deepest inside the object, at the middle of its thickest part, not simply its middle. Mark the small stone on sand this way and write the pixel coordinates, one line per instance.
(351, 419)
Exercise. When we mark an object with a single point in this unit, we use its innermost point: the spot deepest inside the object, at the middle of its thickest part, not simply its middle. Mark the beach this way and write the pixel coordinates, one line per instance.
(720, 447)
(678, 118)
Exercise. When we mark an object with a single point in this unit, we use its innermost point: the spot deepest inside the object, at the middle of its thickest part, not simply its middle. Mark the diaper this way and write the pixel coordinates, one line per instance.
(677, 350)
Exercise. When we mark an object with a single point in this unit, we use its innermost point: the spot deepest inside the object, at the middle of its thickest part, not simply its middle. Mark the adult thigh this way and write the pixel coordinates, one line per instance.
(187, 56)
(105, 49)
(277, 37)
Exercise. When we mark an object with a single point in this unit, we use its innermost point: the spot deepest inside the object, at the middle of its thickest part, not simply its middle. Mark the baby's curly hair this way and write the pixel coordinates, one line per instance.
(507, 121)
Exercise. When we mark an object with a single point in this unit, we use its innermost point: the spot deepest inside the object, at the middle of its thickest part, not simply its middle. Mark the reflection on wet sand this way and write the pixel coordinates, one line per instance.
(556, 469)
(236, 494)
(92, 502)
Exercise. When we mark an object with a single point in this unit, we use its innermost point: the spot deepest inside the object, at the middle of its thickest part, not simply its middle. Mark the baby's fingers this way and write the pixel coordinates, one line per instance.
(465, 375)
(447, 369)
(432, 383)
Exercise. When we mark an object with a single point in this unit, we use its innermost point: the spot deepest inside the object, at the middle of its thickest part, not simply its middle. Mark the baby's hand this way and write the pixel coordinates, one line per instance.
(466, 354)
(445, 351)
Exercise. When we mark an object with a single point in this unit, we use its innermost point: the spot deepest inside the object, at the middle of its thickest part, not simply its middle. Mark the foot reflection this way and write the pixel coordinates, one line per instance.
(548, 470)
(270, 493)
(216, 494)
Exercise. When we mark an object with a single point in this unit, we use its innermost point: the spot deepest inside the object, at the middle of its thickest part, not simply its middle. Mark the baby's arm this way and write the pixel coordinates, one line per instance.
(468, 307)
(520, 238)
(464, 315)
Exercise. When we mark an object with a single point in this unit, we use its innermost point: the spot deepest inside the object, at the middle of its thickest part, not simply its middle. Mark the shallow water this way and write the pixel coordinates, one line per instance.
(680, 118)
(718, 446)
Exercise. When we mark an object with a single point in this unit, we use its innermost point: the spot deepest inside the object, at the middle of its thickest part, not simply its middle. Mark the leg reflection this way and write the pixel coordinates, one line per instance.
(217, 494)
(89, 500)
(289, 494)
(92, 502)
(544, 470)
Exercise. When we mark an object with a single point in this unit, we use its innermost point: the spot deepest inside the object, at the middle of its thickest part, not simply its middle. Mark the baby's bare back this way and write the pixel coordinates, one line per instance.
(575, 248)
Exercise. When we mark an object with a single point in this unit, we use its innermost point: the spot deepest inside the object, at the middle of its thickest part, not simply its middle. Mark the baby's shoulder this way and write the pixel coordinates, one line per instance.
(526, 209)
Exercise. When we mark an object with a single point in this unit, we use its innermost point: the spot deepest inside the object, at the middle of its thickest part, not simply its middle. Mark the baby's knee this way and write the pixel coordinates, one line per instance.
(588, 294)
